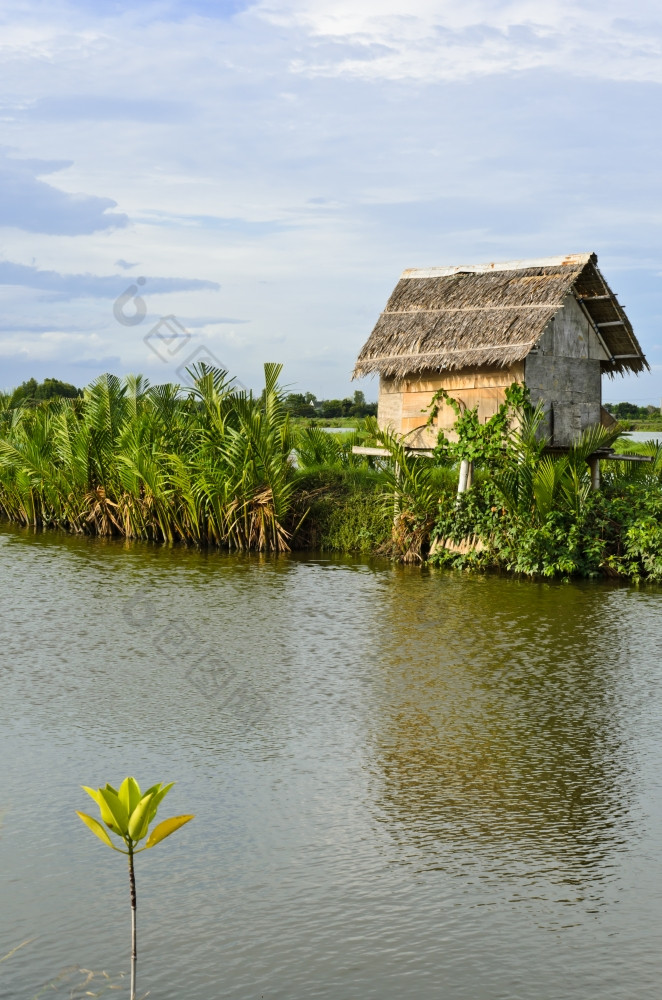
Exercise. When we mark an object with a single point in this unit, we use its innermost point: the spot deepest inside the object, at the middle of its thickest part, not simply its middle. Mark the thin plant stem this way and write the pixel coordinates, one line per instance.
(134, 942)
(14, 950)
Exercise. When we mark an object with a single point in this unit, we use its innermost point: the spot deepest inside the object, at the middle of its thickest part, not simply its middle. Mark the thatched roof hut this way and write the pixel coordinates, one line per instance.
(501, 318)
(446, 318)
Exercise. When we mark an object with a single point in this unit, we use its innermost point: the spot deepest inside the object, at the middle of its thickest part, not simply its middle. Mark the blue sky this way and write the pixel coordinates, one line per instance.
(269, 169)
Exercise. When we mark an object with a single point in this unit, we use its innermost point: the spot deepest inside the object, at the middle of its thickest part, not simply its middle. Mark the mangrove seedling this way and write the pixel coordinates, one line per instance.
(127, 812)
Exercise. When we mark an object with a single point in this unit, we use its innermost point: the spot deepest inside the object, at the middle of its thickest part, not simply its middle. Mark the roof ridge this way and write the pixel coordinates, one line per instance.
(565, 260)
(483, 307)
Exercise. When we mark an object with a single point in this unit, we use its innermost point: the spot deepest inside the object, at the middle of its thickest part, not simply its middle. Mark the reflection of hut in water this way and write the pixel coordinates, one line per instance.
(498, 727)
(551, 323)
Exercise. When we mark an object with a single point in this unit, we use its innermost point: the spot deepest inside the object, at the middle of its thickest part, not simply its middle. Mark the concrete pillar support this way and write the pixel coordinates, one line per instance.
(466, 475)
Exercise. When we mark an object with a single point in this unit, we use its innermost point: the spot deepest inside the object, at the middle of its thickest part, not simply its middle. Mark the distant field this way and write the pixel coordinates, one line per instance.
(646, 425)
(349, 422)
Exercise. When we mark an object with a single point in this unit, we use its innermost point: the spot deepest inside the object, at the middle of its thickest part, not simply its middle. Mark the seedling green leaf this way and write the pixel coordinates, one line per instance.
(165, 828)
(96, 828)
(117, 809)
(140, 818)
(158, 799)
(130, 794)
(106, 814)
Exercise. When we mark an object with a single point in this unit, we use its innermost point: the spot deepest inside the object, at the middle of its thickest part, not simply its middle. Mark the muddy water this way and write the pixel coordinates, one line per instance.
(406, 785)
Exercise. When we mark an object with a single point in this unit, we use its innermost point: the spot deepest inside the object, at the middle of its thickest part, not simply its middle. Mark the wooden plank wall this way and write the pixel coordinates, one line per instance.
(404, 403)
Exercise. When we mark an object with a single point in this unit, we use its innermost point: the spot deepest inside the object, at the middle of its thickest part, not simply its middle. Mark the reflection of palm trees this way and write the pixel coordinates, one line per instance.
(499, 724)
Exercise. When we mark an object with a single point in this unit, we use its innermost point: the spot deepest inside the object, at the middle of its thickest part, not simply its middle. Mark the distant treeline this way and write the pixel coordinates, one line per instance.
(630, 411)
(304, 404)
(32, 392)
(298, 404)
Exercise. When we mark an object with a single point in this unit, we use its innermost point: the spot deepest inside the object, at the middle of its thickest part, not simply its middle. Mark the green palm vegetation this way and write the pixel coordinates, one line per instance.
(530, 510)
(209, 466)
(536, 512)
(532, 484)
(127, 813)
(316, 448)
(213, 465)
(644, 473)
(412, 490)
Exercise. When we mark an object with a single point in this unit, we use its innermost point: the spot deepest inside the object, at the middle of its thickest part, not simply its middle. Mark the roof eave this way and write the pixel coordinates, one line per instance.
(621, 360)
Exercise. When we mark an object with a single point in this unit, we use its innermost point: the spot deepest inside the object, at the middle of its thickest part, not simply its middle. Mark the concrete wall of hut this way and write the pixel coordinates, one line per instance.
(563, 371)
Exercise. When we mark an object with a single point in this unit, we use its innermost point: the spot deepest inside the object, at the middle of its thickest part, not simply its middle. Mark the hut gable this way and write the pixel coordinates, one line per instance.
(493, 315)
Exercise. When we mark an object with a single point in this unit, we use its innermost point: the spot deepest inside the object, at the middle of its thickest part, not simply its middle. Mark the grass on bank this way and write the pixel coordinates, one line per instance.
(654, 425)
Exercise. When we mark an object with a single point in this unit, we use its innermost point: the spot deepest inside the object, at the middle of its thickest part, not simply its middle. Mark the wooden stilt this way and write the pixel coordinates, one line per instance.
(396, 498)
(594, 466)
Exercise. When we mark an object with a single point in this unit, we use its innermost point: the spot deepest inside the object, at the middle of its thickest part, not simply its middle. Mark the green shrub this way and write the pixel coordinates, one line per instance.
(615, 532)
(346, 510)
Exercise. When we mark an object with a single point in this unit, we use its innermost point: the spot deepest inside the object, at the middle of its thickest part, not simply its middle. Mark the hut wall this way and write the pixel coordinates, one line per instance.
(563, 371)
(404, 403)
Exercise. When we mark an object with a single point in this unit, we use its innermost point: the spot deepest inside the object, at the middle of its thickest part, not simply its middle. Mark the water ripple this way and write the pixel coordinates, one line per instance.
(406, 784)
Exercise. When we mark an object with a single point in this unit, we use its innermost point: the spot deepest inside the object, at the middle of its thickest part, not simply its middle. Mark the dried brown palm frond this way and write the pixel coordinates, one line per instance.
(102, 513)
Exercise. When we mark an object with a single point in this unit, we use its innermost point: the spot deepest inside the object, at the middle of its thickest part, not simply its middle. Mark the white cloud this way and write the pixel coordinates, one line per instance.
(443, 40)
(257, 152)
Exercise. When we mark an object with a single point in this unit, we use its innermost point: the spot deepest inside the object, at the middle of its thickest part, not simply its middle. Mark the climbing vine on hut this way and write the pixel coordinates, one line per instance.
(489, 443)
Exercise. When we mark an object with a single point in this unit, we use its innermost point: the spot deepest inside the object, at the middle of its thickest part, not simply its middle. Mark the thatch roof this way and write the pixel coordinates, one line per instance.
(446, 318)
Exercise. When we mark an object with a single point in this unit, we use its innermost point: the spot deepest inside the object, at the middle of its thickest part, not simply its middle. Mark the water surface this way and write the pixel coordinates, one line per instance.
(406, 784)
(644, 436)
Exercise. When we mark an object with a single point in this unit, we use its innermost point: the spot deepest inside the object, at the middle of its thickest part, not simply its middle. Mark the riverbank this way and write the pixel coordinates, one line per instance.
(219, 469)
(615, 534)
